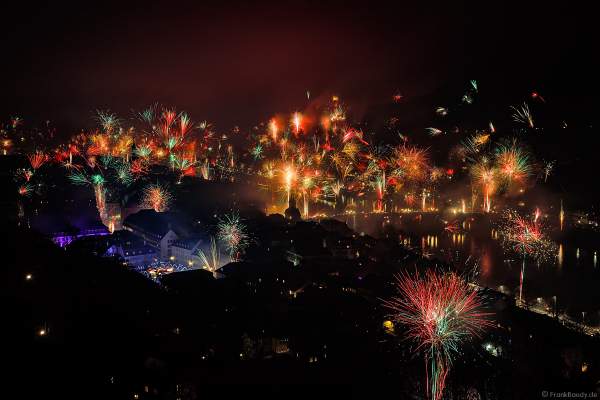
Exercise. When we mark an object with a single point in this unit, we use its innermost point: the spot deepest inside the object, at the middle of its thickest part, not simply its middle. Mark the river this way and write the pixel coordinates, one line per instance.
(569, 281)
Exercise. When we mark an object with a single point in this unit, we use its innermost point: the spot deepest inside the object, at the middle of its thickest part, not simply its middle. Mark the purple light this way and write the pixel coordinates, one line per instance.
(64, 240)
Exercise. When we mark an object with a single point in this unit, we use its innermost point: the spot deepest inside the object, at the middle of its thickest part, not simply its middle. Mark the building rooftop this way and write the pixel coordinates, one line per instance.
(158, 224)
(190, 241)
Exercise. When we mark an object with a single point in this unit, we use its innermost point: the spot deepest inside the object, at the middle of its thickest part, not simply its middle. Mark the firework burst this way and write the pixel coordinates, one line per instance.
(25, 189)
(109, 121)
(526, 237)
(512, 161)
(156, 197)
(231, 231)
(37, 159)
(412, 162)
(441, 312)
(123, 173)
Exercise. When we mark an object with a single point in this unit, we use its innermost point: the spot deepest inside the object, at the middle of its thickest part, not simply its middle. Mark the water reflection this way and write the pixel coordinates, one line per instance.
(458, 239)
(472, 241)
(561, 255)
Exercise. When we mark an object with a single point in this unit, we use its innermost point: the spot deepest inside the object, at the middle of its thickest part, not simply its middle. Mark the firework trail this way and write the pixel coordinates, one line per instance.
(352, 133)
(297, 122)
(290, 176)
(523, 115)
(474, 85)
(441, 312)
(212, 261)
(97, 182)
(536, 95)
(380, 189)
(561, 215)
(484, 176)
(434, 131)
(205, 170)
(548, 168)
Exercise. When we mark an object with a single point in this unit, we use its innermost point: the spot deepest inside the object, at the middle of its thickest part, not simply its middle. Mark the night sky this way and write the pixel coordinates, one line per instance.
(238, 63)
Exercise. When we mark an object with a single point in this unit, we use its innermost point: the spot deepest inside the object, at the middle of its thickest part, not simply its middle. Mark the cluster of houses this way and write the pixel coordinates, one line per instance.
(149, 237)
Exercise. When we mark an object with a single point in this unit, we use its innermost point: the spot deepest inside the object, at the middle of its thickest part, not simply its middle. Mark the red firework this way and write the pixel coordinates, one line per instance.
(441, 312)
(37, 159)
